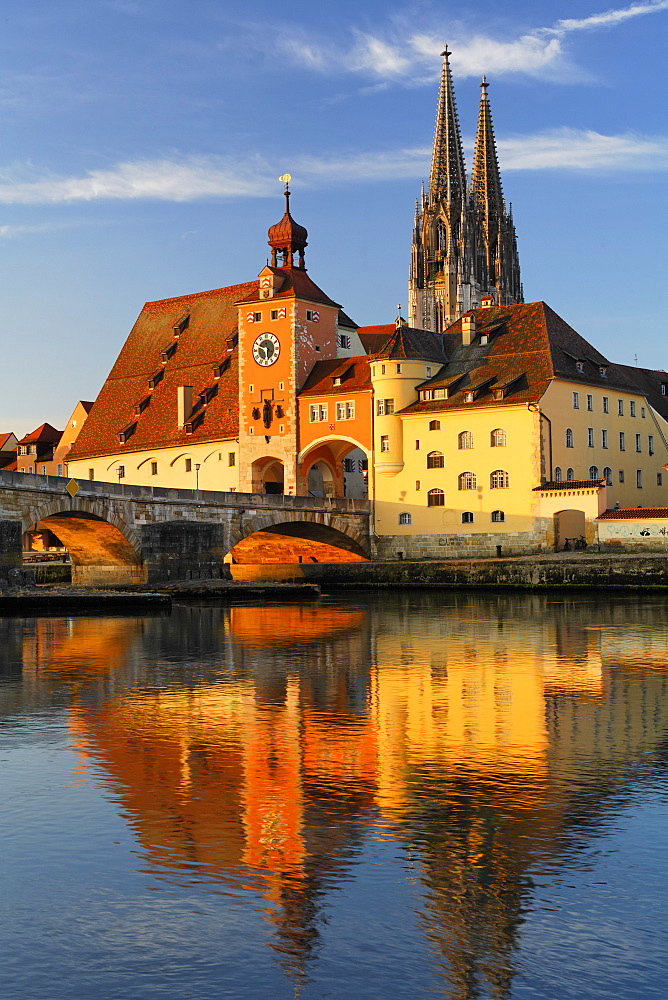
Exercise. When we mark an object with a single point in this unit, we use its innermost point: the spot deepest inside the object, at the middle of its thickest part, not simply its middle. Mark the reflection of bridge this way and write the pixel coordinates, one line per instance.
(136, 534)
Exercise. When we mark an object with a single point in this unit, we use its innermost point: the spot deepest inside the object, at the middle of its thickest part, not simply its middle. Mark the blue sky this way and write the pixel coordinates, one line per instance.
(142, 140)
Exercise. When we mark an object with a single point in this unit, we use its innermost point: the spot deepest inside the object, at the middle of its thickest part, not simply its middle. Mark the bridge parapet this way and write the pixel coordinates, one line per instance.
(86, 487)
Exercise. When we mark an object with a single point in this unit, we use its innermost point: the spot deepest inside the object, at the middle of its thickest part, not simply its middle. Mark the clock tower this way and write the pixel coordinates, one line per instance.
(284, 329)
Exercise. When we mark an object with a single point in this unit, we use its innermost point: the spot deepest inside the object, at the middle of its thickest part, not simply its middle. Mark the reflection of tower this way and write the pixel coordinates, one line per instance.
(464, 243)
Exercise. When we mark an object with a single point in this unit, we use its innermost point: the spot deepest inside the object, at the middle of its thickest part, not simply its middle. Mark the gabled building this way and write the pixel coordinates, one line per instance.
(35, 451)
(8, 443)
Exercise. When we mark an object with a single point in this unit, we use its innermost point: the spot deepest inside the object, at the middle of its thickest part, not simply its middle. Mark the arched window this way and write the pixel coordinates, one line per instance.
(607, 475)
(557, 474)
(405, 519)
(467, 517)
(570, 475)
(467, 481)
(435, 460)
(434, 425)
(465, 440)
(593, 472)
(569, 438)
(499, 480)
(435, 498)
(497, 516)
(497, 438)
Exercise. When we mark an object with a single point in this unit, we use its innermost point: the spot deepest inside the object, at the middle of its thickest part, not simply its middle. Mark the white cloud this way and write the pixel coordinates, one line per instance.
(411, 55)
(202, 178)
(162, 180)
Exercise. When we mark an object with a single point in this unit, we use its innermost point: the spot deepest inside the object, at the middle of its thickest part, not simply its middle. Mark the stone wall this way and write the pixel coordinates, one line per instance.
(465, 546)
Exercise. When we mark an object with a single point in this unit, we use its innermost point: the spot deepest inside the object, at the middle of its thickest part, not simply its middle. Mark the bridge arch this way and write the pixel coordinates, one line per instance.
(103, 548)
(305, 537)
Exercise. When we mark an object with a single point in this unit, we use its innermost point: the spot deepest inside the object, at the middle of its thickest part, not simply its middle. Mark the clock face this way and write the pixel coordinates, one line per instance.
(266, 349)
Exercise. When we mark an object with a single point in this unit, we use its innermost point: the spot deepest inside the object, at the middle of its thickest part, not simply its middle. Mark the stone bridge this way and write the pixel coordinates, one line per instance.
(120, 535)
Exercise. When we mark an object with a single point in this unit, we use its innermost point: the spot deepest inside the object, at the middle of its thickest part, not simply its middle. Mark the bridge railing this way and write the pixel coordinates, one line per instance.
(92, 488)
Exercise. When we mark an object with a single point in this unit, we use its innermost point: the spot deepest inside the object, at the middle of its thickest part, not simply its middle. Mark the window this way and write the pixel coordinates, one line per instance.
(439, 393)
(593, 472)
(349, 465)
(607, 475)
(231, 459)
(603, 371)
(435, 498)
(273, 314)
(638, 443)
(312, 316)
(318, 412)
(620, 475)
(569, 438)
(91, 473)
(639, 478)
(465, 440)
(580, 366)
(345, 411)
(382, 369)
(497, 438)
(120, 471)
(344, 341)
(468, 396)
(427, 372)
(434, 425)
(60, 470)
(43, 470)
(606, 404)
(632, 408)
(557, 474)
(418, 486)
(466, 481)
(590, 401)
(398, 369)
(435, 460)
(467, 517)
(620, 407)
(659, 479)
(576, 400)
(590, 437)
(384, 442)
(498, 516)
(385, 407)
(604, 439)
(405, 519)
(154, 468)
(650, 444)
(499, 480)
(664, 388)
(417, 445)
(189, 465)
(256, 317)
(426, 394)
(570, 475)
(622, 441)
(642, 412)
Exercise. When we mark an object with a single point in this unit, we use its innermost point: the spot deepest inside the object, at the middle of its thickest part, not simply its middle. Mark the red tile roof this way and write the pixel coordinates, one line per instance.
(408, 344)
(570, 484)
(295, 283)
(633, 513)
(44, 434)
(4, 438)
(354, 373)
(374, 337)
(202, 344)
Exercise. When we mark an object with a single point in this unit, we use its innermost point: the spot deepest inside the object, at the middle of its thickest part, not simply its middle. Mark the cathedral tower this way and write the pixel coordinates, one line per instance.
(464, 243)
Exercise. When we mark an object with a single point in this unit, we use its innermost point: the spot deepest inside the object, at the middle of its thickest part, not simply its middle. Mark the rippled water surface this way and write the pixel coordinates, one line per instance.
(421, 795)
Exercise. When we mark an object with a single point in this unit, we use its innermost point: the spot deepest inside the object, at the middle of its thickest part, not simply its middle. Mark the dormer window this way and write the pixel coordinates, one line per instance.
(222, 367)
(484, 339)
(180, 326)
(426, 394)
(603, 371)
(336, 380)
(468, 396)
(580, 366)
(498, 393)
(664, 388)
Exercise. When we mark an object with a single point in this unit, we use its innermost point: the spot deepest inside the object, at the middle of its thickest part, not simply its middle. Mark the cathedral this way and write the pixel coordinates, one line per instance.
(464, 243)
(481, 424)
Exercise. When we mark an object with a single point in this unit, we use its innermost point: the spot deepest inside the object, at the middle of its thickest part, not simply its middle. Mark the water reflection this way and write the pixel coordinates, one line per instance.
(259, 749)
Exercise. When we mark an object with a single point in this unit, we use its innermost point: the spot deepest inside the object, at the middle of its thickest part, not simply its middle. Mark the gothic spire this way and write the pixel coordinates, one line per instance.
(447, 181)
(486, 177)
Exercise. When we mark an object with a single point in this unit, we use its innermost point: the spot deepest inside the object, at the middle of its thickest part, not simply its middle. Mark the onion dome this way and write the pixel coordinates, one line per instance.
(286, 239)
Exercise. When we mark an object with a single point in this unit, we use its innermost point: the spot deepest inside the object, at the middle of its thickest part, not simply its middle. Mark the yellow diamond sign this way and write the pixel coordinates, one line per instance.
(72, 487)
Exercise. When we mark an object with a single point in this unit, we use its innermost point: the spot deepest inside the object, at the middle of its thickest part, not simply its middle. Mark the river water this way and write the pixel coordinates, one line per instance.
(397, 796)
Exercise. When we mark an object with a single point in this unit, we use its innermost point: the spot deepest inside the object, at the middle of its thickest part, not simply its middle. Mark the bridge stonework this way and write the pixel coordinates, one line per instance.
(121, 535)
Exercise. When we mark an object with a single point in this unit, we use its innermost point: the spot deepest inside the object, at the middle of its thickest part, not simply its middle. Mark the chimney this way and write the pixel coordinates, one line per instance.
(468, 329)
(184, 403)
